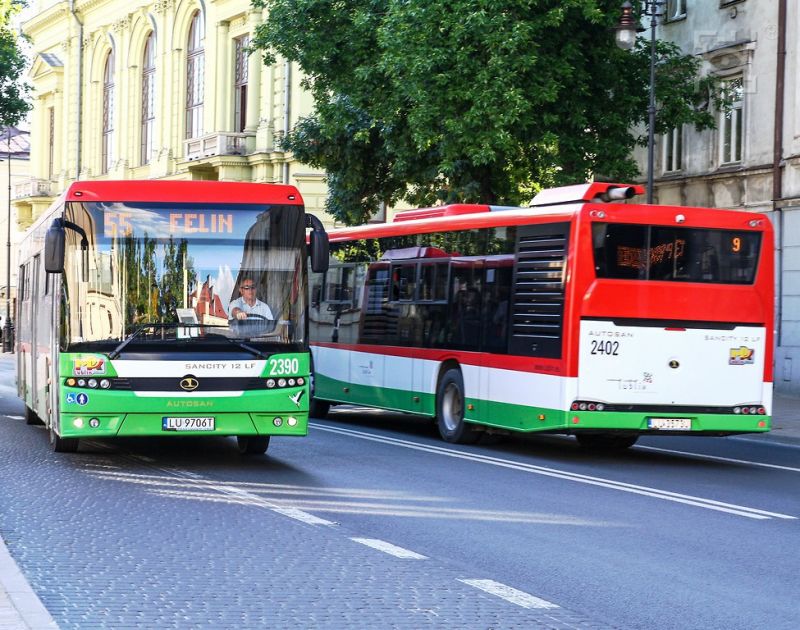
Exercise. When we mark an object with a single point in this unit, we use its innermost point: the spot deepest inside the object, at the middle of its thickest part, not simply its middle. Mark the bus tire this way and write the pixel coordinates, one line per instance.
(253, 444)
(319, 408)
(450, 409)
(62, 445)
(31, 417)
(605, 442)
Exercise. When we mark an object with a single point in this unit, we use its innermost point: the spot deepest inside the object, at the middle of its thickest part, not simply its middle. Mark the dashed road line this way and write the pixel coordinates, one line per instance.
(510, 594)
(392, 550)
(664, 495)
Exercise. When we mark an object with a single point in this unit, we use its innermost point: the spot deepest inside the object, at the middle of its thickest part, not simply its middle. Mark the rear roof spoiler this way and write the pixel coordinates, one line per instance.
(597, 192)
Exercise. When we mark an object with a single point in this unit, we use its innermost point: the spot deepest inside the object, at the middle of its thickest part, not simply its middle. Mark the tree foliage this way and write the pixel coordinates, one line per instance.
(470, 100)
(13, 91)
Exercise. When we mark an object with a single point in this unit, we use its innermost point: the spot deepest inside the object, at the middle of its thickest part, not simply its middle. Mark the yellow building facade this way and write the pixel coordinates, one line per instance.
(154, 89)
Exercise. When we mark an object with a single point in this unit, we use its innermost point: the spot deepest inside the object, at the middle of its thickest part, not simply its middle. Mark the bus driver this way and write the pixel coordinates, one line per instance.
(248, 303)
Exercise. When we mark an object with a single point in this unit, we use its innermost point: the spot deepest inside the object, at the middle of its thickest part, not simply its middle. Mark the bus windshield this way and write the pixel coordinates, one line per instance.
(138, 275)
(676, 254)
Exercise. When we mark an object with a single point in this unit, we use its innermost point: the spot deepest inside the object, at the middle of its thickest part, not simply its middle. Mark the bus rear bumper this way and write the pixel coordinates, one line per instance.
(151, 424)
(665, 423)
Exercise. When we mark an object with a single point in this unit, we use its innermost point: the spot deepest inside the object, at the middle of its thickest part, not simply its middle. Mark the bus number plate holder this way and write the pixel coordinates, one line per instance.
(170, 423)
(670, 424)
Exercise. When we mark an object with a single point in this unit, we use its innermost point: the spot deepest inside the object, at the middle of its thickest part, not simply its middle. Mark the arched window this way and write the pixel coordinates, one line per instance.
(195, 66)
(148, 98)
(108, 113)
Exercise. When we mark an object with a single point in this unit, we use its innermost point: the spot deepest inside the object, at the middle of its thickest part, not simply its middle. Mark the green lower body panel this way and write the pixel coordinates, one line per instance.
(703, 423)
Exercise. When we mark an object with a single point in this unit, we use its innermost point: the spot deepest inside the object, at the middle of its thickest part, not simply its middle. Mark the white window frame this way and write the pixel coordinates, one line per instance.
(731, 124)
(672, 157)
(676, 10)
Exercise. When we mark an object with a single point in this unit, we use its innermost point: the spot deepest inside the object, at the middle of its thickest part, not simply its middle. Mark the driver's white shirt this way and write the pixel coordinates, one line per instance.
(259, 308)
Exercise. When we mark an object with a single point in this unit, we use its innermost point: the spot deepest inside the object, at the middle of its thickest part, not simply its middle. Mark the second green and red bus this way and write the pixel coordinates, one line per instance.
(585, 313)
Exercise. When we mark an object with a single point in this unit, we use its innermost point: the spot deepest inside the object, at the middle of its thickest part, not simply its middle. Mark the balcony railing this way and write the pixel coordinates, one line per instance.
(218, 143)
(33, 188)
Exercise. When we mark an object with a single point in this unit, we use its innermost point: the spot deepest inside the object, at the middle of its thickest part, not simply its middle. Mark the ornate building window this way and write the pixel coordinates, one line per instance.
(673, 150)
(148, 98)
(240, 82)
(730, 122)
(676, 9)
(108, 114)
(195, 73)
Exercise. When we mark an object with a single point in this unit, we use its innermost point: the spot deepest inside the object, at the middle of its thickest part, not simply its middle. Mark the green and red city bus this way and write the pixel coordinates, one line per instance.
(583, 314)
(124, 323)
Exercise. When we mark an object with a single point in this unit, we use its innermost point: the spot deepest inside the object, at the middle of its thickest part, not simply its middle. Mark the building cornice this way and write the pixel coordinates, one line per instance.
(47, 18)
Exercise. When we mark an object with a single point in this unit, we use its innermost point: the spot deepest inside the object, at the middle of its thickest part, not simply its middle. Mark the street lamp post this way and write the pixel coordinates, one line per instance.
(7, 328)
(626, 32)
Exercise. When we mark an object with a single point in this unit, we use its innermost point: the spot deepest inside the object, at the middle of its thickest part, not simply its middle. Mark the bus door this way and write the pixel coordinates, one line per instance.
(32, 325)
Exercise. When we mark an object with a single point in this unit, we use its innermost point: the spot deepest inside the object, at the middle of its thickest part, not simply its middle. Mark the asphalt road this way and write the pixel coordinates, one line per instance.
(372, 522)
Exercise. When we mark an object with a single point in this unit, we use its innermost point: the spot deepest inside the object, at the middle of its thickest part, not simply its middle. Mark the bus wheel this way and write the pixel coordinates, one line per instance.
(450, 410)
(62, 445)
(253, 444)
(31, 417)
(605, 442)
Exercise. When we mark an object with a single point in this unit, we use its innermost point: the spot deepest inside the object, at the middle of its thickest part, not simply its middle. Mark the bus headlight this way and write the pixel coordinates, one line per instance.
(94, 422)
(105, 383)
(78, 423)
(277, 421)
(291, 421)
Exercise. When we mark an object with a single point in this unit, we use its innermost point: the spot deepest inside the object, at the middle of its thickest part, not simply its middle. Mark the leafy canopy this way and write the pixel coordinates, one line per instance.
(470, 100)
(13, 92)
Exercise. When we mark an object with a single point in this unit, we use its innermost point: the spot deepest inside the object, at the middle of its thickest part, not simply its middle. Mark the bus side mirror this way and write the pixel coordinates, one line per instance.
(320, 251)
(54, 242)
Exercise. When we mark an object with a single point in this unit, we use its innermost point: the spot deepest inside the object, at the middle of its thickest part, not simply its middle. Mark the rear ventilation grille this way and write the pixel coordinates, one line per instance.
(537, 315)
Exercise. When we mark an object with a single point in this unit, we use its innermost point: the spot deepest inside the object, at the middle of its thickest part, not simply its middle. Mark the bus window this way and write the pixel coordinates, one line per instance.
(676, 254)
(404, 282)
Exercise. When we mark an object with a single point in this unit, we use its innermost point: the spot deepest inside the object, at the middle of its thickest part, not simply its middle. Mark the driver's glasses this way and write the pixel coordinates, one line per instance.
(248, 287)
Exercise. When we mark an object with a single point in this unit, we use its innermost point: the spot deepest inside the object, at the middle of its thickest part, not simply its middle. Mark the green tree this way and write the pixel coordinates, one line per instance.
(470, 100)
(13, 91)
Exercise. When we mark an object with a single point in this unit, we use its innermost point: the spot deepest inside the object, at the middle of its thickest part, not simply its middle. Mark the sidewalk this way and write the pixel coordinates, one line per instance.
(21, 609)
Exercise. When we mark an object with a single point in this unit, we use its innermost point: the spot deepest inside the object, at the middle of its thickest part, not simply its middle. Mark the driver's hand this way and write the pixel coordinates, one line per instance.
(241, 315)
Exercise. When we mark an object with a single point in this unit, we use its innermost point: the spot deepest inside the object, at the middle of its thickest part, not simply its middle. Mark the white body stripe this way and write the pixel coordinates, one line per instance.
(419, 375)
(156, 369)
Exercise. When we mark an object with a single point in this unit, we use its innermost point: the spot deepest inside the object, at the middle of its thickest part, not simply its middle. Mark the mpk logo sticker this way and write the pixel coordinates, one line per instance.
(741, 355)
(88, 366)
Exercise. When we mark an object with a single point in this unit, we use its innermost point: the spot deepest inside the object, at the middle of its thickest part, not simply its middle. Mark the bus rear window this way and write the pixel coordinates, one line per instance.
(677, 254)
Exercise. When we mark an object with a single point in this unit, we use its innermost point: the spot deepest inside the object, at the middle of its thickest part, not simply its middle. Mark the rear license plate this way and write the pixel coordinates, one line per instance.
(187, 424)
(671, 424)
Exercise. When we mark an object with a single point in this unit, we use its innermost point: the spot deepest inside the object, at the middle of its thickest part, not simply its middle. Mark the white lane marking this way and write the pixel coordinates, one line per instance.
(709, 504)
(16, 417)
(717, 458)
(305, 517)
(392, 550)
(520, 598)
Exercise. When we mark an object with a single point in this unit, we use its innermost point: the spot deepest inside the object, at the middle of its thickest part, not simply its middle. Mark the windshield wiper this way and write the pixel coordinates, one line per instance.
(116, 351)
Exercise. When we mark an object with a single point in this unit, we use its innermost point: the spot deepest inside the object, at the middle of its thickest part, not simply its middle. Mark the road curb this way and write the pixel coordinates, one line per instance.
(20, 594)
